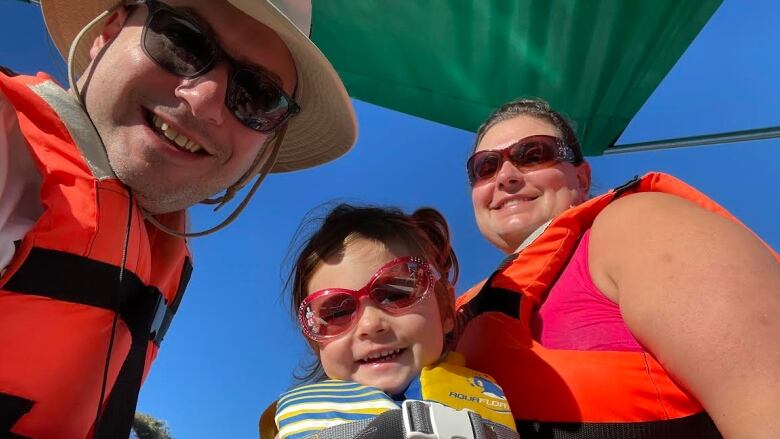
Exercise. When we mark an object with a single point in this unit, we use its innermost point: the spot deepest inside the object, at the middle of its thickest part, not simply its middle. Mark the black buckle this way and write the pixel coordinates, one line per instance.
(162, 320)
(620, 190)
(8, 72)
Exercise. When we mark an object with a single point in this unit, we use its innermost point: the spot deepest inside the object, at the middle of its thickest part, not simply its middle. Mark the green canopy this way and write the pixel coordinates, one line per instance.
(455, 61)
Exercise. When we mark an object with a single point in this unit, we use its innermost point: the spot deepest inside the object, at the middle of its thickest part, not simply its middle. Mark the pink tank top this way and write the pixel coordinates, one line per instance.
(577, 316)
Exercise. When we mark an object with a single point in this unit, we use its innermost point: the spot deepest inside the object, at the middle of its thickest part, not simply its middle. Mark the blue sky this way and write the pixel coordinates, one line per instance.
(232, 347)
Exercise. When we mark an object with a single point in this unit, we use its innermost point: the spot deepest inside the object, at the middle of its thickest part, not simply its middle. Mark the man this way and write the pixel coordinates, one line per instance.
(175, 101)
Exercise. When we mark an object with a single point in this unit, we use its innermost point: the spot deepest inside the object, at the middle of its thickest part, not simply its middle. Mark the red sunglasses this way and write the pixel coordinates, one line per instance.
(397, 287)
(528, 153)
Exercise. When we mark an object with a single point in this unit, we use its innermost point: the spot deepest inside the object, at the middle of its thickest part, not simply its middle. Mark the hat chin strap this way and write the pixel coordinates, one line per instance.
(261, 167)
(75, 44)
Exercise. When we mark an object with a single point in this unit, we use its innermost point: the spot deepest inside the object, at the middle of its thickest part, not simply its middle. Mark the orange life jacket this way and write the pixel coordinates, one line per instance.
(568, 393)
(91, 277)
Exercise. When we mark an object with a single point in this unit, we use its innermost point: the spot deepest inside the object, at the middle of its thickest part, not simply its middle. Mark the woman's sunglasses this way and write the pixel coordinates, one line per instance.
(397, 287)
(184, 48)
(529, 153)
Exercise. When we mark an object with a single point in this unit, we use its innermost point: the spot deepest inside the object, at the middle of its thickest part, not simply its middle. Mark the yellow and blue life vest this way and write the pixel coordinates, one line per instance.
(313, 407)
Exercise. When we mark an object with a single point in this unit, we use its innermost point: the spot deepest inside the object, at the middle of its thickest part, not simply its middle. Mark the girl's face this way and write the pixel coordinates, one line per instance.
(382, 350)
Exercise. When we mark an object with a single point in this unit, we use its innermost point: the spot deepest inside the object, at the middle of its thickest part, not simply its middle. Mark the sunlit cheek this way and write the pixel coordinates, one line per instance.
(241, 159)
(550, 203)
(477, 197)
(480, 198)
(336, 359)
(431, 337)
(249, 145)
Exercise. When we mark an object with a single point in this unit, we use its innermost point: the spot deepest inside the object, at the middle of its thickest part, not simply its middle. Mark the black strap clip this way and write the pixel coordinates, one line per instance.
(162, 320)
(620, 190)
(8, 72)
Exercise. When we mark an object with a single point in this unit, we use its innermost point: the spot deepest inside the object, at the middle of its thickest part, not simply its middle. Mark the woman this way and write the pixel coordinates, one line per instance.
(646, 312)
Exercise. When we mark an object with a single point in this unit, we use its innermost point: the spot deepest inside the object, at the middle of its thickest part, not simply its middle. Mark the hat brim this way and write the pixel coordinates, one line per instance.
(324, 129)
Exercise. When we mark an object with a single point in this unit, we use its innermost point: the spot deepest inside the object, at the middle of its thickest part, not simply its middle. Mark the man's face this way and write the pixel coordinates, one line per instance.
(128, 97)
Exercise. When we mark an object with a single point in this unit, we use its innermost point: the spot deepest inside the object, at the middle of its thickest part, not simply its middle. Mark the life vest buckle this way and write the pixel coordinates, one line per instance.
(162, 320)
(630, 184)
(8, 72)
(431, 420)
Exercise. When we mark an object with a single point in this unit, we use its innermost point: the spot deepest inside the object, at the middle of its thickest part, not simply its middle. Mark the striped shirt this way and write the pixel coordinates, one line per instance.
(313, 407)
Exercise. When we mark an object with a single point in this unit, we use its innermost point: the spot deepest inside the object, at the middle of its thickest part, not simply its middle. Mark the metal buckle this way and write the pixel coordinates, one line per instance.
(431, 420)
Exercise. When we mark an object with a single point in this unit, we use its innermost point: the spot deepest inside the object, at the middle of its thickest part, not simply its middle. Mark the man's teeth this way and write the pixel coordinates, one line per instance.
(380, 355)
(179, 139)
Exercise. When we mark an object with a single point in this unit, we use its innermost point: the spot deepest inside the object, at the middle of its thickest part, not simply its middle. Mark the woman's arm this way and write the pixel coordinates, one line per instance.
(702, 294)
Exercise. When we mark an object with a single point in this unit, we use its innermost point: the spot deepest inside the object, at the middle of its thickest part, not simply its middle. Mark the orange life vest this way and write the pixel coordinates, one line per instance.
(568, 393)
(91, 277)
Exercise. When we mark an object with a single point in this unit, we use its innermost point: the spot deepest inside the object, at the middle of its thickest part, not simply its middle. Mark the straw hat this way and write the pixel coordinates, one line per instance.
(323, 130)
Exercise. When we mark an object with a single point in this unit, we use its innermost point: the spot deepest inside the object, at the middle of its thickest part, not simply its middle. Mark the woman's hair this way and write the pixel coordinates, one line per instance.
(424, 233)
(538, 108)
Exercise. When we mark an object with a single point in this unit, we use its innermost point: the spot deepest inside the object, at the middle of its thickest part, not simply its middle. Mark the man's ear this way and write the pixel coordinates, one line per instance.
(111, 28)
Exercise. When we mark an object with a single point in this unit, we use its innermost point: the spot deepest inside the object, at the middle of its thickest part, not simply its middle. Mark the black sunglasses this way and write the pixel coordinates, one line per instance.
(526, 154)
(184, 48)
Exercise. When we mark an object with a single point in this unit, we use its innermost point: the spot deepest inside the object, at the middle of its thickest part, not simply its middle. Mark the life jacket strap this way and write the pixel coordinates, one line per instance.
(420, 420)
(63, 285)
(143, 309)
(699, 426)
(7, 72)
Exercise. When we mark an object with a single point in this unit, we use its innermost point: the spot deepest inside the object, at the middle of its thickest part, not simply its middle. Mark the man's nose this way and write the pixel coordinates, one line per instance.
(372, 321)
(205, 95)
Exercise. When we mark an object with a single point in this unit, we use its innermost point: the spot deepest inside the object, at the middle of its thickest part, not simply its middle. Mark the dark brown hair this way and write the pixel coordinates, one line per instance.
(539, 109)
(424, 233)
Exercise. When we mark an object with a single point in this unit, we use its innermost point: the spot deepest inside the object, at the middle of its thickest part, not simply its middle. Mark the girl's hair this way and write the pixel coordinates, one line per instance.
(539, 109)
(424, 233)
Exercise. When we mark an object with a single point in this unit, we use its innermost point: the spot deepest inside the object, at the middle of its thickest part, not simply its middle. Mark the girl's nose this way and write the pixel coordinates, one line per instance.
(372, 321)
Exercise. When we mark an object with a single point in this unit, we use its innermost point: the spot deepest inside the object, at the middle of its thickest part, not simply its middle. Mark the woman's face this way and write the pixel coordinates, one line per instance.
(514, 203)
(382, 350)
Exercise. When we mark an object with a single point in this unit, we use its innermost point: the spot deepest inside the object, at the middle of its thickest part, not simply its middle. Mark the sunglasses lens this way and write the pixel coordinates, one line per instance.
(329, 315)
(535, 152)
(257, 101)
(400, 287)
(177, 45)
(529, 153)
(181, 47)
(483, 165)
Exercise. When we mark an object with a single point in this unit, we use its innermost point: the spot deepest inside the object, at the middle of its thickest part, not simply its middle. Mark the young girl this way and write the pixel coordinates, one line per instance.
(372, 293)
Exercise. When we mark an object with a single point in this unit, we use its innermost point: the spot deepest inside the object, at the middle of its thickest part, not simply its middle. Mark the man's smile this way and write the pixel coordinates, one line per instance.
(175, 138)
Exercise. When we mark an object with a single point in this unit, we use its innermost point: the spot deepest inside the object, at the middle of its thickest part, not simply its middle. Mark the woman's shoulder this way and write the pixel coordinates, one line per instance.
(642, 227)
(660, 196)
(647, 232)
(643, 212)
